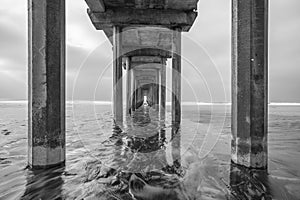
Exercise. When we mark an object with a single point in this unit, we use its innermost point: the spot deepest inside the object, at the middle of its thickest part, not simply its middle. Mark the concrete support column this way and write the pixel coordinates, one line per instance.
(155, 90)
(117, 75)
(249, 83)
(157, 87)
(163, 82)
(46, 83)
(129, 84)
(135, 91)
(140, 95)
(133, 80)
(176, 76)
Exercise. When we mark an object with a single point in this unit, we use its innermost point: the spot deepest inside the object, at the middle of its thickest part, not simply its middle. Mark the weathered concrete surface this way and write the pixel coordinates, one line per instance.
(163, 85)
(117, 75)
(157, 87)
(128, 85)
(250, 82)
(176, 76)
(137, 37)
(134, 88)
(101, 5)
(149, 39)
(153, 4)
(46, 83)
(146, 59)
(122, 16)
(146, 66)
(146, 51)
(96, 5)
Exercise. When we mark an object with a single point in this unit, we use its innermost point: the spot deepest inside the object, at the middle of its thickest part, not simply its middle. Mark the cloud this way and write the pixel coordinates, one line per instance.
(206, 46)
(284, 43)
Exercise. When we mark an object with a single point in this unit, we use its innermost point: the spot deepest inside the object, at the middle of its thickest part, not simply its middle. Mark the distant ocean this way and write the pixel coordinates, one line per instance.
(95, 146)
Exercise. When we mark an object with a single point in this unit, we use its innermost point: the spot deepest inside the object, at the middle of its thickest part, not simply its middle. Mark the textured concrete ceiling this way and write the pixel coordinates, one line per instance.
(156, 4)
(146, 24)
(146, 76)
(105, 14)
(134, 38)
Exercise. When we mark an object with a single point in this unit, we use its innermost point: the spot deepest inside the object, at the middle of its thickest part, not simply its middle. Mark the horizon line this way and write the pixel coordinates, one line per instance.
(184, 103)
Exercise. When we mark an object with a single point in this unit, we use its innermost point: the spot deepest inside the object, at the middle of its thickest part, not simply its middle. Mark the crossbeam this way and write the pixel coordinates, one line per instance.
(129, 17)
(96, 5)
(146, 52)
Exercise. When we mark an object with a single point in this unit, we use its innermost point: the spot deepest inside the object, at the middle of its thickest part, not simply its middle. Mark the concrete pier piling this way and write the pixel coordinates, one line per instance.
(250, 83)
(128, 86)
(163, 85)
(117, 75)
(46, 83)
(176, 76)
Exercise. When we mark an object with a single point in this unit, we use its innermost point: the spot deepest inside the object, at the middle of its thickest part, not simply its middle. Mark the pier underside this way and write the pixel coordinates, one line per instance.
(144, 34)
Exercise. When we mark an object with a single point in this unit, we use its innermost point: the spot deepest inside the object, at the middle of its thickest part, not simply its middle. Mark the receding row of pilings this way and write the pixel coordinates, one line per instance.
(134, 64)
(46, 93)
(146, 76)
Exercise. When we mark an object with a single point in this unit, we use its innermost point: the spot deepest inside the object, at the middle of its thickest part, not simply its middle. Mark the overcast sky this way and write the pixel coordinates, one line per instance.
(206, 53)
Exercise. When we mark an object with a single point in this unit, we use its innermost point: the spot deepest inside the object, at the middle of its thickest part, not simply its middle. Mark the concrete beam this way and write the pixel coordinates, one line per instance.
(117, 76)
(128, 16)
(95, 5)
(154, 4)
(146, 66)
(146, 59)
(145, 75)
(137, 51)
(46, 83)
(249, 83)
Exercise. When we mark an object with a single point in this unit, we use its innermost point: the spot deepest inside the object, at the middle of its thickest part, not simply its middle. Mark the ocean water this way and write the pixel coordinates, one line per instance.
(150, 158)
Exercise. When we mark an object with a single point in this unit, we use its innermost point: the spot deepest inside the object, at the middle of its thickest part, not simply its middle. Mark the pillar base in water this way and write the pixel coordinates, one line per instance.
(45, 157)
(249, 153)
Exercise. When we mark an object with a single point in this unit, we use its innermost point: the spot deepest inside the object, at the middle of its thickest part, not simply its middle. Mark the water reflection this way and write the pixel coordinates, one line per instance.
(141, 147)
(141, 117)
(176, 150)
(86, 177)
(140, 152)
(44, 184)
(249, 183)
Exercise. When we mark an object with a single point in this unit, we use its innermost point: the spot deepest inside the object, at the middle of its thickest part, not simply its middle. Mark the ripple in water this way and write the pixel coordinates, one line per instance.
(147, 158)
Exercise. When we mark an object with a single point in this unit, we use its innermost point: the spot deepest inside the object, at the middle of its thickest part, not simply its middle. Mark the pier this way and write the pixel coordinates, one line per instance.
(144, 35)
